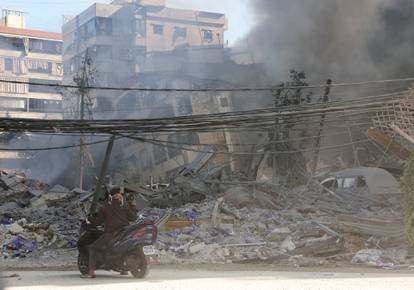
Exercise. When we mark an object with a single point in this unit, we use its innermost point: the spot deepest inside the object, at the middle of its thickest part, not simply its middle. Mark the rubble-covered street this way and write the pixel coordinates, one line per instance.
(222, 141)
(259, 224)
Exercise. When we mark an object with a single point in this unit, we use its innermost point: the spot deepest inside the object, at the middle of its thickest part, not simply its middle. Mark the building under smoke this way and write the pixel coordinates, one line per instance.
(148, 45)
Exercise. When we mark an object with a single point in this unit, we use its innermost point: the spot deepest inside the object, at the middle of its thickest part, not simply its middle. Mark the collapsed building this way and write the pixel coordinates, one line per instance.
(153, 46)
(244, 217)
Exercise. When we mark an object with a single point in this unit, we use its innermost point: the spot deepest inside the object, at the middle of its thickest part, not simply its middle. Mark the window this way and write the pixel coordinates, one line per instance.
(12, 104)
(45, 106)
(103, 52)
(340, 183)
(158, 29)
(181, 32)
(361, 182)
(140, 27)
(39, 66)
(17, 44)
(52, 47)
(90, 29)
(349, 182)
(145, 159)
(103, 26)
(207, 35)
(35, 45)
(45, 46)
(8, 64)
(184, 107)
(43, 89)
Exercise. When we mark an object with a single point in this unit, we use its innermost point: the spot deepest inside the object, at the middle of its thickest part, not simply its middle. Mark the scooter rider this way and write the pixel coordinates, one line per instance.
(114, 215)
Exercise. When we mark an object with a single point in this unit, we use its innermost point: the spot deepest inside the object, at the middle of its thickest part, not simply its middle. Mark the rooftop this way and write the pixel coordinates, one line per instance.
(31, 33)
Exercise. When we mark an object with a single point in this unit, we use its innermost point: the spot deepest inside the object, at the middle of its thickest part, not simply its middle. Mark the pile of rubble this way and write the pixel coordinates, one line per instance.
(258, 224)
(34, 216)
(235, 223)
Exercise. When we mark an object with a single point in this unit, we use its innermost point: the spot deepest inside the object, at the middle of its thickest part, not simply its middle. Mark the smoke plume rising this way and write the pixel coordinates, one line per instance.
(345, 40)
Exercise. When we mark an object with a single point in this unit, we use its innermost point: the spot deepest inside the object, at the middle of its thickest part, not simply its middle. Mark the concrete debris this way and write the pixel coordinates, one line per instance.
(59, 189)
(252, 223)
(15, 229)
(288, 245)
(8, 207)
(193, 249)
(38, 202)
(278, 234)
(35, 218)
(371, 257)
(204, 220)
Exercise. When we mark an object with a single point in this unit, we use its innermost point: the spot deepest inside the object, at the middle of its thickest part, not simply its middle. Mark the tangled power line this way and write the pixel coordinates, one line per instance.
(339, 115)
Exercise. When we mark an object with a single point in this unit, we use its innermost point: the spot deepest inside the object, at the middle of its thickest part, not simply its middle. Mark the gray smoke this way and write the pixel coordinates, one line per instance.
(345, 40)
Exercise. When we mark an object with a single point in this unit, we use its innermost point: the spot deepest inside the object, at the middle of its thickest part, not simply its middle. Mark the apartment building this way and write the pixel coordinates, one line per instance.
(144, 43)
(27, 55)
(120, 35)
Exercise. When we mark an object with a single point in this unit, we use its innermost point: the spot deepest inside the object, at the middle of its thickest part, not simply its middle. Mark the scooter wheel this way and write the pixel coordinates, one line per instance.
(140, 265)
(83, 262)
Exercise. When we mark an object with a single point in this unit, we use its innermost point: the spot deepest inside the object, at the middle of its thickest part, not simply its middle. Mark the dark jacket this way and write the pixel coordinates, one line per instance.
(114, 216)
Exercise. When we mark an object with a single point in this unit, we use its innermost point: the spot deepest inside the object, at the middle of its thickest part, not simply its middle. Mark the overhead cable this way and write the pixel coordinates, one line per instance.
(245, 89)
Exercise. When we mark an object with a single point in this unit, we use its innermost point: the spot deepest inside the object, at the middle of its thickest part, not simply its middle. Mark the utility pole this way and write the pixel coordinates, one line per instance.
(276, 134)
(82, 118)
(325, 100)
(83, 81)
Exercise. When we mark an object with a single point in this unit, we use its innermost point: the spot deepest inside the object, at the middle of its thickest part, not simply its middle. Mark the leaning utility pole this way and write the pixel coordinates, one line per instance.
(98, 188)
(325, 100)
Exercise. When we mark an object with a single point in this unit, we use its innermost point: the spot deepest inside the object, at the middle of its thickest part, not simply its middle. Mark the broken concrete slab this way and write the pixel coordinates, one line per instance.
(36, 192)
(15, 229)
(320, 247)
(238, 196)
(59, 189)
(189, 184)
(9, 206)
(38, 203)
(288, 245)
(278, 234)
(370, 257)
(55, 196)
(11, 180)
(193, 249)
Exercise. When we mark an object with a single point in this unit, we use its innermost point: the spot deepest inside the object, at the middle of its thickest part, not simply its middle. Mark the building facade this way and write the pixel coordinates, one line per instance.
(135, 43)
(28, 55)
(120, 35)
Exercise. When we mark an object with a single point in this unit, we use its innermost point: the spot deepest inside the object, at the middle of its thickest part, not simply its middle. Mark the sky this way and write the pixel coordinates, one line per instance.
(47, 14)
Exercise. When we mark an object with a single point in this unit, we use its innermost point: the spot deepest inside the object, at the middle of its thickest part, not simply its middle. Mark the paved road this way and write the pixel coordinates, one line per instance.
(203, 279)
